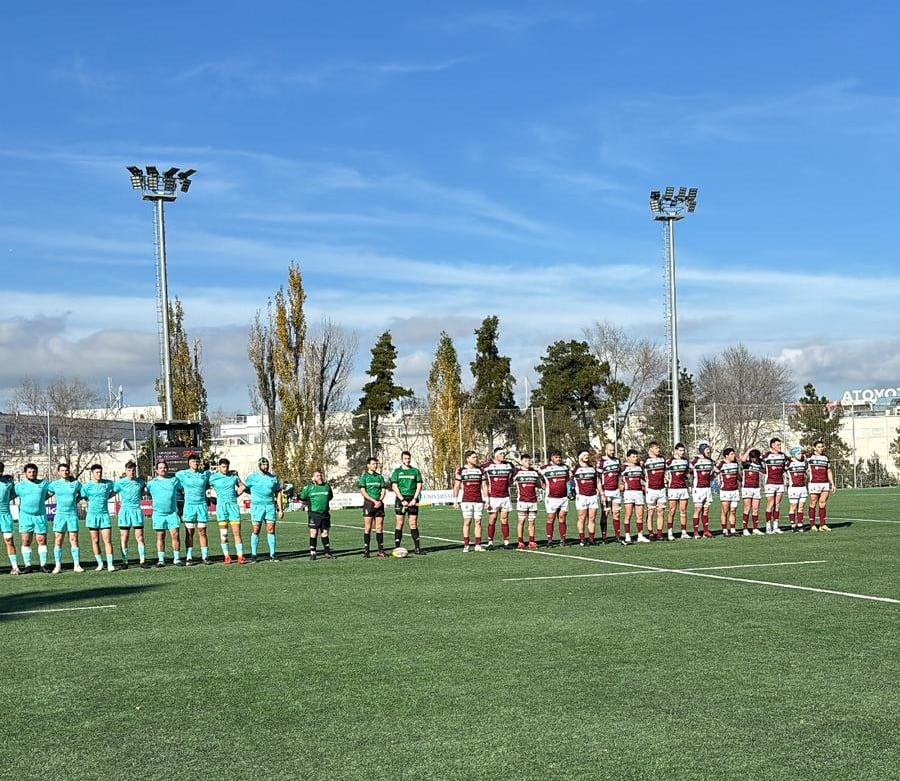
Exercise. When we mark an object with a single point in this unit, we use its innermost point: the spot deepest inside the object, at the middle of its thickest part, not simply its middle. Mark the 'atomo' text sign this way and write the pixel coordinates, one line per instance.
(869, 395)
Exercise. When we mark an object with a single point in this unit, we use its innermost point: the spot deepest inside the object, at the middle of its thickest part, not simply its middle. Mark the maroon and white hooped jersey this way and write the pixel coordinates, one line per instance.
(730, 474)
(678, 469)
(797, 472)
(775, 464)
(633, 477)
(753, 473)
(471, 478)
(585, 477)
(499, 477)
(527, 482)
(818, 468)
(702, 467)
(611, 471)
(556, 478)
(655, 472)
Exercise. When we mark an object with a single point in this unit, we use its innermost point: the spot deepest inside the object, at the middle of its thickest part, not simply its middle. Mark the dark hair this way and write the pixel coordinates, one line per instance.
(773, 440)
(2, 466)
(817, 442)
(28, 466)
(468, 453)
(96, 466)
(161, 461)
(65, 464)
(754, 454)
(679, 445)
(524, 455)
(631, 452)
(130, 465)
(499, 450)
(371, 459)
(654, 443)
(224, 461)
(727, 451)
(556, 453)
(406, 453)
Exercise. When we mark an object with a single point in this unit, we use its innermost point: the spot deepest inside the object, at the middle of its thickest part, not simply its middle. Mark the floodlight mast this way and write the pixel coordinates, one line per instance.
(159, 190)
(670, 207)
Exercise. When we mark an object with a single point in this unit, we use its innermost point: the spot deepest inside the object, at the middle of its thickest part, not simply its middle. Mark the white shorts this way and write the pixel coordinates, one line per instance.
(586, 502)
(656, 497)
(472, 510)
(819, 488)
(526, 507)
(751, 493)
(634, 497)
(497, 503)
(702, 497)
(678, 494)
(774, 489)
(612, 497)
(729, 496)
(797, 493)
(552, 505)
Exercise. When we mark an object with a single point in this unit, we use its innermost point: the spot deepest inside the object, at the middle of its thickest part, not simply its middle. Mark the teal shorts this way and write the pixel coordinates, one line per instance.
(131, 518)
(6, 523)
(165, 522)
(195, 513)
(65, 522)
(29, 523)
(98, 520)
(228, 512)
(263, 512)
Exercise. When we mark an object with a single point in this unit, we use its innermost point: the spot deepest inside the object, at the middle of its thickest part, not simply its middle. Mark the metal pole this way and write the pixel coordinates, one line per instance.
(462, 459)
(49, 447)
(134, 446)
(544, 434)
(695, 423)
(164, 303)
(533, 440)
(853, 437)
(676, 404)
(371, 435)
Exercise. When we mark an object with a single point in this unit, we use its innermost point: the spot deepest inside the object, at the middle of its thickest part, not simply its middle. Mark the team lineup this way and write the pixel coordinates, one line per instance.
(650, 492)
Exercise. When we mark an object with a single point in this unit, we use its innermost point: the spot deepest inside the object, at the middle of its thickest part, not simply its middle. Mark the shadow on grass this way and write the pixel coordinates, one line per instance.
(48, 600)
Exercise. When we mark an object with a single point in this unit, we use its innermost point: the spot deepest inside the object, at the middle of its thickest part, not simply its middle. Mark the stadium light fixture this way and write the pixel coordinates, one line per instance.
(149, 185)
(669, 208)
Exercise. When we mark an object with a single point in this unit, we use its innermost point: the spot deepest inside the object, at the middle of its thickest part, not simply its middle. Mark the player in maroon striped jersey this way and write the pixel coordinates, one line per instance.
(702, 466)
(556, 502)
(729, 472)
(821, 485)
(655, 478)
(610, 469)
(470, 494)
(527, 480)
(775, 463)
(797, 490)
(498, 474)
(633, 495)
(586, 476)
(753, 471)
(678, 469)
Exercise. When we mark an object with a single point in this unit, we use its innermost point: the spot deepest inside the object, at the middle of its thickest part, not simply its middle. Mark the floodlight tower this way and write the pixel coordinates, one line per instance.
(161, 189)
(669, 207)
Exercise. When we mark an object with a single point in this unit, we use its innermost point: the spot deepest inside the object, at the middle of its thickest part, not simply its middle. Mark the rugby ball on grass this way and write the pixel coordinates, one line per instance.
(399, 552)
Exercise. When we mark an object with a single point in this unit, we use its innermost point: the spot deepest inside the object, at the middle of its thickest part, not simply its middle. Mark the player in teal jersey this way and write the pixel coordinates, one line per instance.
(406, 482)
(7, 494)
(164, 490)
(266, 505)
(97, 492)
(67, 491)
(130, 489)
(32, 494)
(228, 487)
(194, 482)
(317, 495)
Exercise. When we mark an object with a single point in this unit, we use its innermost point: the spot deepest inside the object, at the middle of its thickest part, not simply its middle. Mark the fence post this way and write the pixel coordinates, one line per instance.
(853, 438)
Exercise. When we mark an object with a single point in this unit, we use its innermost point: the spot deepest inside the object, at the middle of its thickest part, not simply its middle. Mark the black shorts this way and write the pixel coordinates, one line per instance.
(371, 511)
(399, 509)
(319, 520)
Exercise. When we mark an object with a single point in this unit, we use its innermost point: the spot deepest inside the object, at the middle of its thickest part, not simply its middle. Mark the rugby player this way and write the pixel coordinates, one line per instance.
(32, 494)
(498, 474)
(67, 491)
(729, 472)
(587, 485)
(164, 489)
(266, 506)
(470, 495)
(373, 488)
(130, 489)
(776, 463)
(821, 486)
(678, 470)
(556, 478)
(228, 487)
(655, 480)
(195, 514)
(7, 494)
(702, 468)
(527, 480)
(633, 495)
(797, 489)
(317, 495)
(97, 492)
(753, 470)
(406, 483)
(610, 469)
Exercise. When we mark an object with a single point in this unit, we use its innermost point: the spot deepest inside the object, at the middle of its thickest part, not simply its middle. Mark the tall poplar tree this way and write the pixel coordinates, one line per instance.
(450, 423)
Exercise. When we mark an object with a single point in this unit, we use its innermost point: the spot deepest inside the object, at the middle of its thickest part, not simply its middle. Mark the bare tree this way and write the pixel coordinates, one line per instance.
(264, 395)
(748, 392)
(636, 367)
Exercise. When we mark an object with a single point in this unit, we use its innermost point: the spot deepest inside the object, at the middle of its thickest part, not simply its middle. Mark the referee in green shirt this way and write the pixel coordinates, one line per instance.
(317, 496)
(373, 488)
(406, 482)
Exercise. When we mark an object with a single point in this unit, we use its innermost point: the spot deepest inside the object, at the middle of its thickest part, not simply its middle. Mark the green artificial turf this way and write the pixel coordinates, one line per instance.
(440, 668)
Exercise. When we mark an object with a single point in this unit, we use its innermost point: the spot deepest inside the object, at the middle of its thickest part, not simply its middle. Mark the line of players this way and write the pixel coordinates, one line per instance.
(661, 486)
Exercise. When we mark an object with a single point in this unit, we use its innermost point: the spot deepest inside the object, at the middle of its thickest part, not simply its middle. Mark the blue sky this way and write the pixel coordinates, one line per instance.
(431, 164)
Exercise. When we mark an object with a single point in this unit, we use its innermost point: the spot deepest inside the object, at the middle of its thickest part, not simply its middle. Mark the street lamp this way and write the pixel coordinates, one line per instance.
(159, 189)
(669, 207)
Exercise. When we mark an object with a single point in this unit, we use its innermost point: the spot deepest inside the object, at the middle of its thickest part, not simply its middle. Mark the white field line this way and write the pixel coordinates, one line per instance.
(56, 610)
(654, 572)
